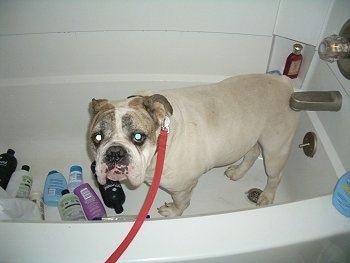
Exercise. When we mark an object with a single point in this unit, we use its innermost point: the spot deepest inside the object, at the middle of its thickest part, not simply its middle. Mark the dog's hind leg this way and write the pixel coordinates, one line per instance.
(275, 157)
(237, 171)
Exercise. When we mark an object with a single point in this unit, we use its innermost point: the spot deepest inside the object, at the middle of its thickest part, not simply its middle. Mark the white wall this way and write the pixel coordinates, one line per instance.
(326, 76)
(41, 39)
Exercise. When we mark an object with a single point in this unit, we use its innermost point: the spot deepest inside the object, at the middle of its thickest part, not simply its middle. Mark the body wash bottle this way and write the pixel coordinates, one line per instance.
(54, 185)
(341, 195)
(92, 205)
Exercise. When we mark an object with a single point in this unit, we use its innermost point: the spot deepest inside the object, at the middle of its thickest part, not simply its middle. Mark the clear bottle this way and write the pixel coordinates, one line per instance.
(8, 164)
(75, 177)
(69, 207)
(92, 205)
(20, 183)
(37, 198)
(293, 62)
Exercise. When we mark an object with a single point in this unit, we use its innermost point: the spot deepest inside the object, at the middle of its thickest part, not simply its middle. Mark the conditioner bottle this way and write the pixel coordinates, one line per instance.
(92, 205)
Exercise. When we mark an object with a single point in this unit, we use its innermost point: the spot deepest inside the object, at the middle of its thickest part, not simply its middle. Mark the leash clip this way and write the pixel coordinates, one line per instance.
(165, 124)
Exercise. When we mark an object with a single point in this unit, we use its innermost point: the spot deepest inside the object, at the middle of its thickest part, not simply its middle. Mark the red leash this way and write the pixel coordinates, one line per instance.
(162, 139)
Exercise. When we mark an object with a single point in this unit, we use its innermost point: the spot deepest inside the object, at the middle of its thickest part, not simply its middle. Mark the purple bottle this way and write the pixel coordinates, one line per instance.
(92, 205)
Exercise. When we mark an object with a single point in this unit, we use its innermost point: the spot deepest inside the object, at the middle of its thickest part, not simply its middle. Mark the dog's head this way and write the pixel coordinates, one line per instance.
(123, 136)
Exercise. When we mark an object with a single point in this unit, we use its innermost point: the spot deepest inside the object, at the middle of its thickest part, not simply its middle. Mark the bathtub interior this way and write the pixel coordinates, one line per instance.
(47, 127)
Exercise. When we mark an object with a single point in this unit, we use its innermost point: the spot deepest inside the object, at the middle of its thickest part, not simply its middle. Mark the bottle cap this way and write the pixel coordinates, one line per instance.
(52, 172)
(11, 152)
(297, 49)
(65, 191)
(35, 195)
(76, 168)
(26, 167)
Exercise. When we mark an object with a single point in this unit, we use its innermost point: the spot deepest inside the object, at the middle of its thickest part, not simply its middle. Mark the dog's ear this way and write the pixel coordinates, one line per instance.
(158, 107)
(100, 104)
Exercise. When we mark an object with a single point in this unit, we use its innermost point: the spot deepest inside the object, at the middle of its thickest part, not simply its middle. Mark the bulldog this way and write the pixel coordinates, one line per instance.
(229, 123)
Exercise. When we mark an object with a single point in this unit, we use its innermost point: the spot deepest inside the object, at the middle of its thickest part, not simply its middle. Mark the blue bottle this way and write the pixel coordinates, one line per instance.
(341, 195)
(54, 185)
(75, 177)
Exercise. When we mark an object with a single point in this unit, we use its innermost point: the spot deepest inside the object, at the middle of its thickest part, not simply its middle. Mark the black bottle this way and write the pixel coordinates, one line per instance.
(112, 192)
(8, 164)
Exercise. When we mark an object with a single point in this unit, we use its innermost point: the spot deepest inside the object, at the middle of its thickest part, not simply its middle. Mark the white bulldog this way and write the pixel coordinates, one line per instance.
(210, 126)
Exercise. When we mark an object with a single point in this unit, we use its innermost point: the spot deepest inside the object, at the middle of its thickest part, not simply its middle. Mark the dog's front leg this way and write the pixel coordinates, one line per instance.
(181, 200)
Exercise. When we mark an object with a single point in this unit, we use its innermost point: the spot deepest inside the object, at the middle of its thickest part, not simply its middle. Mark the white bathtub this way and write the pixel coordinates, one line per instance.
(46, 126)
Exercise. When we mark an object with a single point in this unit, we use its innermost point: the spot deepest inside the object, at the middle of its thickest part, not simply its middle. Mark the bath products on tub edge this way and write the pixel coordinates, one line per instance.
(8, 164)
(341, 195)
(54, 185)
(69, 207)
(112, 192)
(92, 205)
(37, 198)
(20, 183)
(75, 177)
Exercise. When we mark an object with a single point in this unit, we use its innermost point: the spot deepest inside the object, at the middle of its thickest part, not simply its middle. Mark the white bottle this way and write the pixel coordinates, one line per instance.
(69, 207)
(75, 177)
(20, 183)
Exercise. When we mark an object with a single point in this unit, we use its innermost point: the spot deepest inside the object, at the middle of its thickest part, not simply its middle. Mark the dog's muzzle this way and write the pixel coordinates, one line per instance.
(115, 163)
(115, 155)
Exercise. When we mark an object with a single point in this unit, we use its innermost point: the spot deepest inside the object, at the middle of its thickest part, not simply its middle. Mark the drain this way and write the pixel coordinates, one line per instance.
(253, 194)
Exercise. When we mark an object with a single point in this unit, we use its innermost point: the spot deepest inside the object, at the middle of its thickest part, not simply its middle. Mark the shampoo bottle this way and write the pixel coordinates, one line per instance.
(20, 183)
(54, 185)
(75, 177)
(92, 205)
(8, 164)
(341, 195)
(69, 207)
(112, 193)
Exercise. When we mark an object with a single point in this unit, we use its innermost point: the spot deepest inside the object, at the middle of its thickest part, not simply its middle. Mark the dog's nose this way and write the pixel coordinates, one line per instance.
(115, 153)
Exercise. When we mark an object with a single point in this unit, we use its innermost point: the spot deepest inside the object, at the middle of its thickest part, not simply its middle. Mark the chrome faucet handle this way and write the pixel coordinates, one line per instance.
(334, 47)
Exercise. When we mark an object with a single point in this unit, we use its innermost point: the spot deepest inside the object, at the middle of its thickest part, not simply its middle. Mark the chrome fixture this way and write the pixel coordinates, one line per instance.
(309, 144)
(337, 48)
(316, 101)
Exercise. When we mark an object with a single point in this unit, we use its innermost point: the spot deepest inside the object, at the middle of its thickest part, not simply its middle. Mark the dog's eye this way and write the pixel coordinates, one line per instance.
(97, 138)
(138, 138)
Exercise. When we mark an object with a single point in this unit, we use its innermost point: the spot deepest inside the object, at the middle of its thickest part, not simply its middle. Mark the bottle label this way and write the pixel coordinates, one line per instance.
(294, 67)
(71, 208)
(24, 187)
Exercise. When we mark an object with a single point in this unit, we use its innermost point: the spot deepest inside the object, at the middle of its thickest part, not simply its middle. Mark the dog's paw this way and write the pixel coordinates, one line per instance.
(265, 198)
(234, 172)
(169, 210)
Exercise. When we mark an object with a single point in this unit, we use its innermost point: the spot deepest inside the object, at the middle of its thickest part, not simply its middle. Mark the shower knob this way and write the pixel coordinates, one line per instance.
(334, 48)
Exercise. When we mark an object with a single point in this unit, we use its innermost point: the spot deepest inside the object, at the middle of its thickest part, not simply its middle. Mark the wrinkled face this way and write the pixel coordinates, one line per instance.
(123, 137)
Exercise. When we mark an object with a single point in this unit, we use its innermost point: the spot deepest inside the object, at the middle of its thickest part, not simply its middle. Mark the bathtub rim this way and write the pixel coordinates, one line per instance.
(224, 241)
